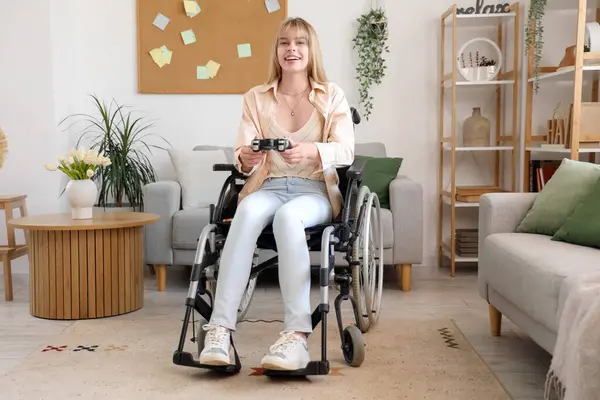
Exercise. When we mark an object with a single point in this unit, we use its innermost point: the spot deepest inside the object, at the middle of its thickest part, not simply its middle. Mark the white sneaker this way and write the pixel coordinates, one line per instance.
(217, 345)
(290, 352)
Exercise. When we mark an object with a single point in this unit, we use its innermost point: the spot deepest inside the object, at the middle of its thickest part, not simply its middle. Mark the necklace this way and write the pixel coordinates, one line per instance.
(293, 113)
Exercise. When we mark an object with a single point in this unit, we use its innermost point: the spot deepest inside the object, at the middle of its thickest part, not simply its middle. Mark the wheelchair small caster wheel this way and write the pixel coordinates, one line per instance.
(354, 346)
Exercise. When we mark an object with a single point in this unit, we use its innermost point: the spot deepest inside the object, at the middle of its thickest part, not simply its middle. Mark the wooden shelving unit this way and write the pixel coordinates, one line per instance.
(504, 139)
(577, 75)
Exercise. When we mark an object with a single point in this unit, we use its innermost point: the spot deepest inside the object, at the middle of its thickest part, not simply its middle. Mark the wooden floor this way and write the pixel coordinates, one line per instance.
(517, 361)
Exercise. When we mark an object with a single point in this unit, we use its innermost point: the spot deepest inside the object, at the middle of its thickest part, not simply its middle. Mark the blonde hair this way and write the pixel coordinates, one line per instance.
(315, 68)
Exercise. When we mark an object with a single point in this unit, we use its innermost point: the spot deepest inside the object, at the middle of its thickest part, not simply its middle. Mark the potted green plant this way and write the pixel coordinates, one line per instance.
(534, 32)
(371, 42)
(122, 138)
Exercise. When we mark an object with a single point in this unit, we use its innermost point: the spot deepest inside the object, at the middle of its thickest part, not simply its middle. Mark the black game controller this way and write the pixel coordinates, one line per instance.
(271, 144)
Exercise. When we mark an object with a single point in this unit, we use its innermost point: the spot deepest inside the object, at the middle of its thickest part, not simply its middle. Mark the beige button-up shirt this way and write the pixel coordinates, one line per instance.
(336, 147)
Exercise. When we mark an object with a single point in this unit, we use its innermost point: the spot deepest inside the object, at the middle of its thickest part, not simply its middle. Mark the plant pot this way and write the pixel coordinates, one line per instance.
(81, 195)
(476, 74)
(476, 130)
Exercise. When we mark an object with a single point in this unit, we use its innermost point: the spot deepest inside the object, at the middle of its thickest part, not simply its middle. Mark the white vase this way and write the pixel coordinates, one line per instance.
(82, 197)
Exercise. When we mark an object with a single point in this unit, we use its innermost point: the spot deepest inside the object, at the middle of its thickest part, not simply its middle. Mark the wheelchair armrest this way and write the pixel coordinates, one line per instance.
(356, 169)
(227, 168)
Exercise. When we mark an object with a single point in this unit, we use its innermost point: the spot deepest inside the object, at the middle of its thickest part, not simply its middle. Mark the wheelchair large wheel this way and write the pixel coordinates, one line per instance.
(360, 275)
(373, 255)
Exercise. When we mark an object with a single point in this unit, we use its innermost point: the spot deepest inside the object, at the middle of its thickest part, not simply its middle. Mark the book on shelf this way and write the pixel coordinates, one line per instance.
(540, 172)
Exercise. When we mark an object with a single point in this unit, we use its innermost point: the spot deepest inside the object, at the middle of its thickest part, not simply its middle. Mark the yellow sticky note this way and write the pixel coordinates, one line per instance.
(157, 56)
(161, 56)
(213, 68)
(191, 8)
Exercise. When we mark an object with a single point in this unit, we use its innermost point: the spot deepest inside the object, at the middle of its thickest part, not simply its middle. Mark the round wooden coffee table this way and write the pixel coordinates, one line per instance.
(82, 269)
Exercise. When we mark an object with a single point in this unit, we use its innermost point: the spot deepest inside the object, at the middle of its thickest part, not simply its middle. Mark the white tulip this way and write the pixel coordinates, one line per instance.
(70, 160)
(80, 154)
(51, 167)
(89, 173)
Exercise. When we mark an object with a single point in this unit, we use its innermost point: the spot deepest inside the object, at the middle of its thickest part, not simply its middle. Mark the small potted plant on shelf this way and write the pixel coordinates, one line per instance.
(478, 68)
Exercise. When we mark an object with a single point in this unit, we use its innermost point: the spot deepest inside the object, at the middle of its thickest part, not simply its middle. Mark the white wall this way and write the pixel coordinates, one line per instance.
(67, 49)
(27, 108)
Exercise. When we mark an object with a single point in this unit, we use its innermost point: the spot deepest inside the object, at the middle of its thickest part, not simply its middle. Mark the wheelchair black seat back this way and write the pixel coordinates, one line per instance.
(357, 234)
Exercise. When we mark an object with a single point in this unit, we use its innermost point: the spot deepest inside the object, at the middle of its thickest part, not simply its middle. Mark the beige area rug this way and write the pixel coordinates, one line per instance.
(130, 358)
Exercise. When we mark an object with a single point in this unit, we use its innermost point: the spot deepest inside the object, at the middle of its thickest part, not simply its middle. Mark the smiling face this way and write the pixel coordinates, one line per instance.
(296, 49)
(293, 52)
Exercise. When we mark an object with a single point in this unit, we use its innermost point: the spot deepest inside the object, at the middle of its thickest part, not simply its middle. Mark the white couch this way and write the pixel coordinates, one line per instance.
(520, 273)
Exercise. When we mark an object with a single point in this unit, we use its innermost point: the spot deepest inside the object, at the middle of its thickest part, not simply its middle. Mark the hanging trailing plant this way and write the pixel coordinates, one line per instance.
(370, 40)
(534, 35)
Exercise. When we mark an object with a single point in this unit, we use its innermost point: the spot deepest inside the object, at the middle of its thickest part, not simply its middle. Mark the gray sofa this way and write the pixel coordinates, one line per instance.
(173, 239)
(520, 273)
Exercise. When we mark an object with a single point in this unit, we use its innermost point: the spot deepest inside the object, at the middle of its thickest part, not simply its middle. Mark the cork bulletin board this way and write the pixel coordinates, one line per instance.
(205, 46)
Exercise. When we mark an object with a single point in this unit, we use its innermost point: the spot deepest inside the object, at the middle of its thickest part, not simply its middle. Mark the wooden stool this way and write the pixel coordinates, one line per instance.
(12, 250)
(5, 260)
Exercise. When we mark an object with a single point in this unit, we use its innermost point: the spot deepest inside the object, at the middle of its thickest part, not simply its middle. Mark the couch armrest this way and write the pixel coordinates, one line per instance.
(162, 198)
(502, 212)
(406, 204)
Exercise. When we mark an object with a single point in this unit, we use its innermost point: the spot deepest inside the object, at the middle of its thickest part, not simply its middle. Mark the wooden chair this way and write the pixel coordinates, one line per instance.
(12, 250)
(5, 260)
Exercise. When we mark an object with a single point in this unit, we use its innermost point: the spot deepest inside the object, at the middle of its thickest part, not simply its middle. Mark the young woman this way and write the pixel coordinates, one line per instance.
(291, 190)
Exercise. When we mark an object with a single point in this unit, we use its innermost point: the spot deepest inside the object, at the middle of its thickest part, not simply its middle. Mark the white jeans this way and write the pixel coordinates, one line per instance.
(290, 204)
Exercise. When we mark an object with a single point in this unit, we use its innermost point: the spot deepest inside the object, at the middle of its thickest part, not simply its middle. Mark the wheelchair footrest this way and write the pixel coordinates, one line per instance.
(312, 368)
(186, 359)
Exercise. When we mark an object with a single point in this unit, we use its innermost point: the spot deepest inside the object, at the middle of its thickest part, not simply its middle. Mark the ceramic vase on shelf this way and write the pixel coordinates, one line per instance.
(82, 197)
(476, 130)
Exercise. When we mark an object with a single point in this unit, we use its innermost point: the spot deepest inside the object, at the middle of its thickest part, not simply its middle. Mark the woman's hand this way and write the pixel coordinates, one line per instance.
(300, 152)
(250, 158)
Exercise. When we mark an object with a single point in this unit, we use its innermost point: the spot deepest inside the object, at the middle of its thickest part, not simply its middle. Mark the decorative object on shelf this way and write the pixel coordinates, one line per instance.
(3, 146)
(123, 139)
(481, 9)
(80, 166)
(471, 194)
(592, 37)
(476, 130)
(467, 242)
(479, 67)
(371, 41)
(556, 131)
(589, 124)
(568, 60)
(534, 35)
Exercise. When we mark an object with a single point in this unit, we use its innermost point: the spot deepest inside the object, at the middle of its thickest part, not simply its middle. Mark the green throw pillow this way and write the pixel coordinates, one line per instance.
(379, 173)
(569, 185)
(583, 226)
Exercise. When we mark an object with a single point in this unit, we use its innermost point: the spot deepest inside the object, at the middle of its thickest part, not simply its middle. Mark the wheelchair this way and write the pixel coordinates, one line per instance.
(356, 233)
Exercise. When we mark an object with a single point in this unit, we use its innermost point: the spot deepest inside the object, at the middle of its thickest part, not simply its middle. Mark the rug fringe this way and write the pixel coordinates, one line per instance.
(553, 389)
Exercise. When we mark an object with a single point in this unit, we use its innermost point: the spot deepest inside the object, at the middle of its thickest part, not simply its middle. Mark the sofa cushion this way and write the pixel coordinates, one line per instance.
(528, 269)
(583, 226)
(378, 174)
(387, 222)
(188, 224)
(200, 185)
(187, 227)
(569, 185)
